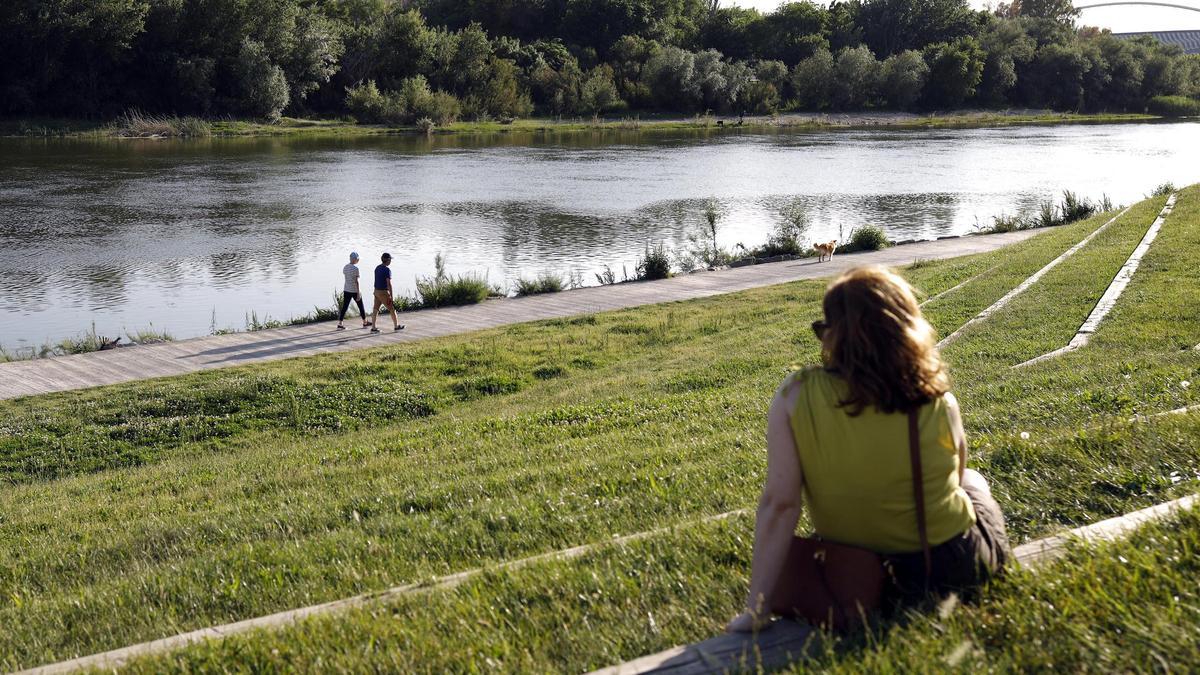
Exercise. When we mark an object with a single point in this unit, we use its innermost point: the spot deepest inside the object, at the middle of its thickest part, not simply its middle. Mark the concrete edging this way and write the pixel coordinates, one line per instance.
(1113, 293)
(1030, 281)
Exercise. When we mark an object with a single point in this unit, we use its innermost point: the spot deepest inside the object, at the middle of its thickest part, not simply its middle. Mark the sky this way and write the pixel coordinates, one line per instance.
(1117, 19)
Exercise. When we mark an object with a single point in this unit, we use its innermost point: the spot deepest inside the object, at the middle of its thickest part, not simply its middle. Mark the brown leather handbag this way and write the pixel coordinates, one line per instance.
(836, 585)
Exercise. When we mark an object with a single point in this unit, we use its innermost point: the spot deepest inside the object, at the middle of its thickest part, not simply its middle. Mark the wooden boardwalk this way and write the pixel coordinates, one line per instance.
(28, 378)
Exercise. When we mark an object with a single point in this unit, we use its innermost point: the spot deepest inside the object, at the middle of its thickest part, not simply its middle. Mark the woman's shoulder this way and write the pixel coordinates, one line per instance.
(800, 378)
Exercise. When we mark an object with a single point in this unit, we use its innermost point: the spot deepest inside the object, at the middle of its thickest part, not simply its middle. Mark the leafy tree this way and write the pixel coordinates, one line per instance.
(668, 78)
(599, 93)
(774, 73)
(813, 81)
(731, 31)
(263, 87)
(903, 79)
(502, 94)
(955, 69)
(891, 26)
(1006, 45)
(793, 32)
(1062, 11)
(856, 78)
(599, 23)
(630, 58)
(1055, 77)
(557, 91)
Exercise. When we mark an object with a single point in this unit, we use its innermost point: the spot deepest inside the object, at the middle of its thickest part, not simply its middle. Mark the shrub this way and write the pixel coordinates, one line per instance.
(788, 235)
(443, 290)
(1174, 106)
(1007, 223)
(412, 102)
(655, 264)
(1073, 208)
(546, 282)
(426, 125)
(607, 277)
(598, 94)
(134, 123)
(1163, 190)
(759, 98)
(370, 105)
(1047, 215)
(866, 238)
(440, 107)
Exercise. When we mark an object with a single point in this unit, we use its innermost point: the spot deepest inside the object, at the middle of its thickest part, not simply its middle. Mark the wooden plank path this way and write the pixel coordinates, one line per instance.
(28, 378)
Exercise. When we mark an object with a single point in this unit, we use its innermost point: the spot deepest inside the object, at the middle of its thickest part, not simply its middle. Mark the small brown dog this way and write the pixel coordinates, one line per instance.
(825, 251)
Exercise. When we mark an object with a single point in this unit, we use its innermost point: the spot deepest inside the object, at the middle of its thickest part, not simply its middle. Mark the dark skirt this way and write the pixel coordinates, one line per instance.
(960, 565)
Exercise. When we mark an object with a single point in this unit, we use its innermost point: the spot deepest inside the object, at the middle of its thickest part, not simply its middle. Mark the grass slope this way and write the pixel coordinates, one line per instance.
(141, 510)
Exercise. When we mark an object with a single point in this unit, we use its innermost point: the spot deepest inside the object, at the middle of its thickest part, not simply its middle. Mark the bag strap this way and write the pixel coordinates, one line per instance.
(914, 453)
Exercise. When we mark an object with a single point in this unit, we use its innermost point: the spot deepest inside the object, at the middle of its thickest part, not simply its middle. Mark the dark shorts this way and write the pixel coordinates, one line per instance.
(960, 565)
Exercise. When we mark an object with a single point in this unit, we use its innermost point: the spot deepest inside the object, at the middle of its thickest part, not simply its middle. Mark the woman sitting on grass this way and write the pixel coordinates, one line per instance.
(843, 435)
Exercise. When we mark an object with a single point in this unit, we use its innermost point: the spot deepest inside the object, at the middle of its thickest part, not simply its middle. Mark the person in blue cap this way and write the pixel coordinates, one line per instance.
(350, 292)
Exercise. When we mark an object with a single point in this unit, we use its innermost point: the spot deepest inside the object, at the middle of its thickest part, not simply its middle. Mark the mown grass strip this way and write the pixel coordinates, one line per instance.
(1023, 286)
(119, 657)
(1107, 301)
(578, 615)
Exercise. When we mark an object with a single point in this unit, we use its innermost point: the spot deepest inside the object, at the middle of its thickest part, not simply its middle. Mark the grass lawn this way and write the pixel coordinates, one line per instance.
(138, 511)
(290, 126)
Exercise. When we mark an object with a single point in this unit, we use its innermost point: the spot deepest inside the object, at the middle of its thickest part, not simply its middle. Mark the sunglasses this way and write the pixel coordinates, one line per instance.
(818, 329)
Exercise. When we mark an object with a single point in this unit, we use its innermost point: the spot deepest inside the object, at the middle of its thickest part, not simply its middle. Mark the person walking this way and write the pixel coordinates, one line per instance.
(383, 294)
(350, 293)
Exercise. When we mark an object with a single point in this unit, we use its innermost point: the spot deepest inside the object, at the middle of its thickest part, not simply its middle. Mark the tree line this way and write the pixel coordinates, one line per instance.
(395, 61)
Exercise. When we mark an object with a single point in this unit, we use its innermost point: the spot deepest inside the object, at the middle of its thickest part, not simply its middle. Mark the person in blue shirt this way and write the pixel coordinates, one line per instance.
(383, 294)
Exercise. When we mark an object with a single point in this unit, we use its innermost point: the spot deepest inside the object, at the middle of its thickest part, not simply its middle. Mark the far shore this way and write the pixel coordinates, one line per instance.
(289, 126)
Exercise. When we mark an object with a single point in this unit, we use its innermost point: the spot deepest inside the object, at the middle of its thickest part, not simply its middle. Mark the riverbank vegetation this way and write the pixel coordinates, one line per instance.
(1072, 208)
(224, 495)
(164, 68)
(89, 341)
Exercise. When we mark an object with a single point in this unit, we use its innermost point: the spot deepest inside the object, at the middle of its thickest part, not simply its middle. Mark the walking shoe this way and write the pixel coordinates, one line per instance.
(374, 330)
(398, 328)
(341, 327)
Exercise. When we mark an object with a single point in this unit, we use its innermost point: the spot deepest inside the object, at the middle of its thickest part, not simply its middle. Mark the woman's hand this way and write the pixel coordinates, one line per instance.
(748, 622)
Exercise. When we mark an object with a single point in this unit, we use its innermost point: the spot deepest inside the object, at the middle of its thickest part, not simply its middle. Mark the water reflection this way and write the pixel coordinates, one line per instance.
(188, 234)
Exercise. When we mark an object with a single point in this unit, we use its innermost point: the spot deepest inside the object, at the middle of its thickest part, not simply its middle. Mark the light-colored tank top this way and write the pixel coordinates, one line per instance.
(350, 271)
(858, 474)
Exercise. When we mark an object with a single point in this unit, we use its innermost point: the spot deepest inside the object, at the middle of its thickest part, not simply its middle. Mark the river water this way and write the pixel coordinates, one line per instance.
(189, 236)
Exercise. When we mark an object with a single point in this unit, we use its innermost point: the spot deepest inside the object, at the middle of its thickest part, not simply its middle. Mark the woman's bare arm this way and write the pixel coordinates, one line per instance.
(956, 430)
(778, 512)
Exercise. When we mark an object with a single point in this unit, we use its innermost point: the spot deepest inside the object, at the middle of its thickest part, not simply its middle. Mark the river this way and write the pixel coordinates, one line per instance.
(188, 236)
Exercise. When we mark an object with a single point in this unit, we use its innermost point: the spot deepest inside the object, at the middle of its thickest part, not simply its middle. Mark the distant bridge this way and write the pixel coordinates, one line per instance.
(1119, 3)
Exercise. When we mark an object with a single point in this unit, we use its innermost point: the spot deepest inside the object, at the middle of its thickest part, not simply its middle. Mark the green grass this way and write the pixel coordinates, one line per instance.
(141, 510)
(290, 126)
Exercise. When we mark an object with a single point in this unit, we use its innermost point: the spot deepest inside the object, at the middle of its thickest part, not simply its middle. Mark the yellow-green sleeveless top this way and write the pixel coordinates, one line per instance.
(858, 475)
